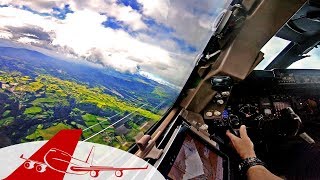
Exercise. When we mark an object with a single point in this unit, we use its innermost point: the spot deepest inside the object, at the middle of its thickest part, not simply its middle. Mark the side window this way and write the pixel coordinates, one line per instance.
(310, 62)
(273, 47)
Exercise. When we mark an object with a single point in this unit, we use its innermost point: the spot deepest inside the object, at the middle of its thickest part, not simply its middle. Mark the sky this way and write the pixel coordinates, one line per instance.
(159, 39)
(275, 45)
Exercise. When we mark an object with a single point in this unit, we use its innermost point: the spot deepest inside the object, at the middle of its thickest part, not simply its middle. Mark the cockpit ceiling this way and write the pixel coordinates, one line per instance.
(303, 25)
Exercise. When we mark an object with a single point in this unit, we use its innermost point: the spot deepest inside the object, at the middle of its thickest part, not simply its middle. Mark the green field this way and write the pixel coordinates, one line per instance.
(33, 110)
(6, 121)
(47, 133)
(49, 104)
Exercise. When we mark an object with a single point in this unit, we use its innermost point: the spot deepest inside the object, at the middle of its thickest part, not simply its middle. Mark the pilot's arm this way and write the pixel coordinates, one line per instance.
(244, 148)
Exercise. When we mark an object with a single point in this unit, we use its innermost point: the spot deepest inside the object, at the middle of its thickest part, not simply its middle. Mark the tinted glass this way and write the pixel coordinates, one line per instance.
(111, 68)
(310, 62)
(271, 50)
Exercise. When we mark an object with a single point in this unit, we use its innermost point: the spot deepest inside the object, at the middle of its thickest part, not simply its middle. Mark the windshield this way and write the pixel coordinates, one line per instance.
(310, 62)
(275, 45)
(271, 50)
(111, 68)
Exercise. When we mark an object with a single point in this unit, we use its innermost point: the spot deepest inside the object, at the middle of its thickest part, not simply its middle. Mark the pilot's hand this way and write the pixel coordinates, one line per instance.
(242, 145)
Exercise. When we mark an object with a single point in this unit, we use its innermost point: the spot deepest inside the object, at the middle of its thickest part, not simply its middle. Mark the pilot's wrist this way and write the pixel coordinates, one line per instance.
(248, 163)
(248, 155)
(255, 168)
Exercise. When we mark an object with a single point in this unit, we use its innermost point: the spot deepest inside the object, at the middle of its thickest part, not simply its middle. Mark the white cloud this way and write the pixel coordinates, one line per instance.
(42, 6)
(127, 15)
(160, 80)
(116, 47)
(156, 8)
(5, 34)
(82, 35)
(191, 19)
(26, 40)
(122, 13)
(11, 16)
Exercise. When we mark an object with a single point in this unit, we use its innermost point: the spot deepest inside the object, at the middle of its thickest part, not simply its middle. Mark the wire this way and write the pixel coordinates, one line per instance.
(114, 123)
(108, 118)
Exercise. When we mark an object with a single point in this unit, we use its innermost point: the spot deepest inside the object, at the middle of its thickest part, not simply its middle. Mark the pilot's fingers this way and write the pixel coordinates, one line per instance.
(231, 136)
(243, 132)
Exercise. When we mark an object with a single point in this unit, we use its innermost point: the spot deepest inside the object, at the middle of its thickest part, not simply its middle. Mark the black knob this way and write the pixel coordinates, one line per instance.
(234, 121)
(221, 83)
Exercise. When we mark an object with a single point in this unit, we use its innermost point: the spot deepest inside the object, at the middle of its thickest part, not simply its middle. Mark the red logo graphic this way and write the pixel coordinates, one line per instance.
(52, 160)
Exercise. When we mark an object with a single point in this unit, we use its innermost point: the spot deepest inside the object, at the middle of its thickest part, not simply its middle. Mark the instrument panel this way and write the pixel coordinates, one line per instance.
(291, 76)
(270, 106)
(265, 93)
(261, 100)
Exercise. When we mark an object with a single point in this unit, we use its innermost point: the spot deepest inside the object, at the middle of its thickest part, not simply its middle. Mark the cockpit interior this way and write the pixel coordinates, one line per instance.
(240, 80)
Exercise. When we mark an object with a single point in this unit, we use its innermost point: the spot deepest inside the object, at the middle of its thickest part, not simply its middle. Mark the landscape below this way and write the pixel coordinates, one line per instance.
(41, 95)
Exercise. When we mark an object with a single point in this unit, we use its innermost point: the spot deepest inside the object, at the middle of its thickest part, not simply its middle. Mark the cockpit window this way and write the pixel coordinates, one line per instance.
(271, 50)
(111, 68)
(310, 60)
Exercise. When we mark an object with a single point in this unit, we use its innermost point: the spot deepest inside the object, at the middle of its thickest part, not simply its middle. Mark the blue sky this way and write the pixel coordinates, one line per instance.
(132, 3)
(138, 36)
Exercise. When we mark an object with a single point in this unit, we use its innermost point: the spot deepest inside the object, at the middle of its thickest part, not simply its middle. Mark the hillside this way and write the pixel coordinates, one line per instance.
(122, 84)
(40, 95)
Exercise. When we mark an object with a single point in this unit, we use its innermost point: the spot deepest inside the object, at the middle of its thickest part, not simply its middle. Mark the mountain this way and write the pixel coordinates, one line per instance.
(132, 87)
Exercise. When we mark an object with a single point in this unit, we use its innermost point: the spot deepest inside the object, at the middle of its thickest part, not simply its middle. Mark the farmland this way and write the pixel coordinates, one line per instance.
(36, 102)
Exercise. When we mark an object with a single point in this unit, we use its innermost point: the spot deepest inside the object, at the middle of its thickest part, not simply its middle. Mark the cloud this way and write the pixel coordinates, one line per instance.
(37, 5)
(160, 37)
(191, 20)
(5, 34)
(82, 35)
(34, 32)
(123, 13)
